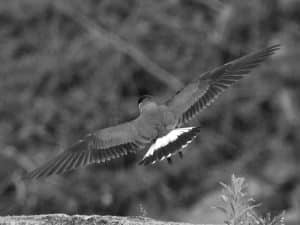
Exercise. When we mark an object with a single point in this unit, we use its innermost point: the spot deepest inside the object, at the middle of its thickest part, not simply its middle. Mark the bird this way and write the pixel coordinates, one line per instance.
(160, 128)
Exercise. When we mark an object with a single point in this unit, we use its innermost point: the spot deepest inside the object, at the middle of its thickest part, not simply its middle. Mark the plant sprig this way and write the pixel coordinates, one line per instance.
(239, 207)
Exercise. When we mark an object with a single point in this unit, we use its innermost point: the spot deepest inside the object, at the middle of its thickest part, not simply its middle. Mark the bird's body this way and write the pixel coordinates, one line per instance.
(154, 121)
(159, 128)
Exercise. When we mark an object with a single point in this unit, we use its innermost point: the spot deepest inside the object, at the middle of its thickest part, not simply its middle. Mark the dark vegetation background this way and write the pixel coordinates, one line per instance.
(71, 67)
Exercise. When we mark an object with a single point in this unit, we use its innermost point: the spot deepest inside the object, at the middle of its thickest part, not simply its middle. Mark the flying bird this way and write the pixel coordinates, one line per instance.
(159, 128)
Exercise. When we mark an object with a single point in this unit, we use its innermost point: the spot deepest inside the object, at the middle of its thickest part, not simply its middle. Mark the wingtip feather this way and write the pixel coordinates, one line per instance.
(272, 49)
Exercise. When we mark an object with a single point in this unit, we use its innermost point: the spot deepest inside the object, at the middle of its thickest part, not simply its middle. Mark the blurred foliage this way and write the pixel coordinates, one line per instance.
(71, 67)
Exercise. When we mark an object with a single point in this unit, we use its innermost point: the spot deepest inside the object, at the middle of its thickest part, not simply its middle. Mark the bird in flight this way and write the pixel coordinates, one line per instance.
(159, 128)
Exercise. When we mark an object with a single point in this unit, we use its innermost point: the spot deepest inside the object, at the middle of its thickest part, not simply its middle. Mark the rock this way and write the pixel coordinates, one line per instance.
(63, 219)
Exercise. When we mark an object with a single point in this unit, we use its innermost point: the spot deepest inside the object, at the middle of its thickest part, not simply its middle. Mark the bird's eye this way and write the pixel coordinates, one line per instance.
(140, 100)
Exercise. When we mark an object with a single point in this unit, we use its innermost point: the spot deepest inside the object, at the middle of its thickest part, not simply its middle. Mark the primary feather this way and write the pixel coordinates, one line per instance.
(104, 145)
(199, 94)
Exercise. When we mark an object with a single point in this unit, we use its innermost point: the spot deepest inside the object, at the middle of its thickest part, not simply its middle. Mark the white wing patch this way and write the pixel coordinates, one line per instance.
(167, 139)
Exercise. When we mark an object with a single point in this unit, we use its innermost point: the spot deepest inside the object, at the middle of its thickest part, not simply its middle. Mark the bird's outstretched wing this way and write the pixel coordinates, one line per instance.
(101, 146)
(199, 94)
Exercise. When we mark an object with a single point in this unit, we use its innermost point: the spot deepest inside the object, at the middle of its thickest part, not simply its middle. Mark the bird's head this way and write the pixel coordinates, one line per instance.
(146, 102)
